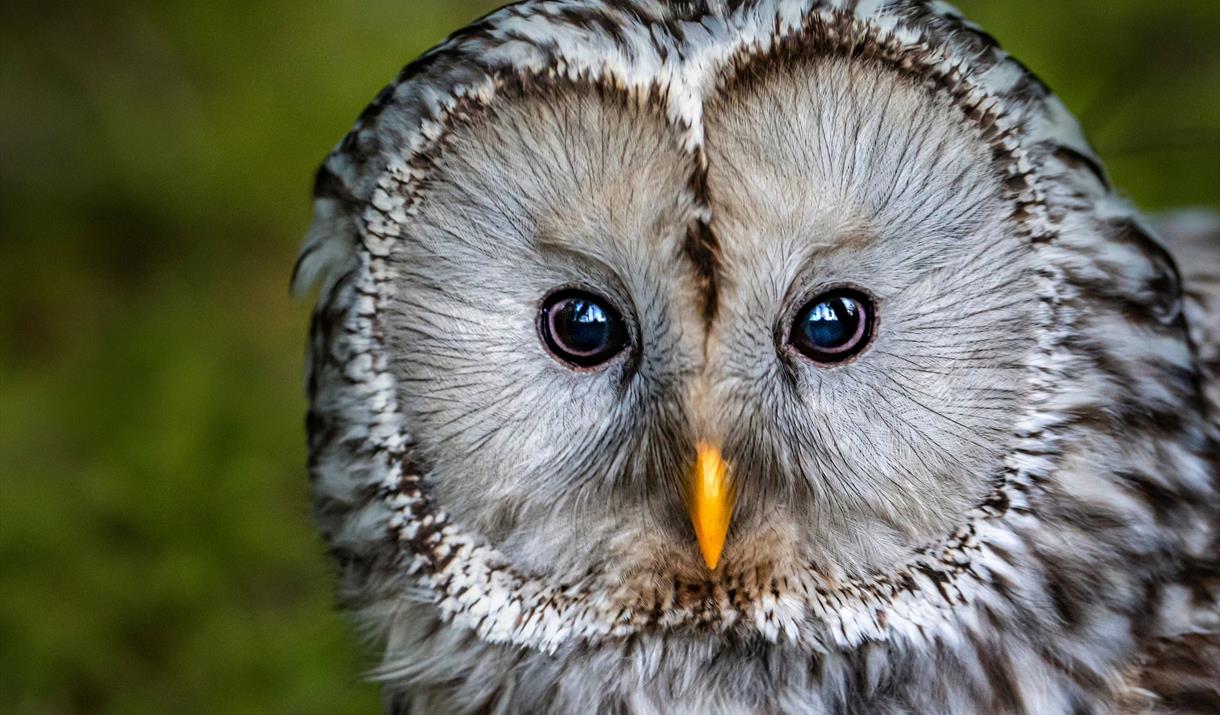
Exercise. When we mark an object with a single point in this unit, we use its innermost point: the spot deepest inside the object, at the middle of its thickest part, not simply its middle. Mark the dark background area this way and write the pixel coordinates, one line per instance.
(156, 547)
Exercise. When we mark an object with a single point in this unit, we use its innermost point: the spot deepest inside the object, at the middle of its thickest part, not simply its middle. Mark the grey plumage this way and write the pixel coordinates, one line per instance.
(1007, 503)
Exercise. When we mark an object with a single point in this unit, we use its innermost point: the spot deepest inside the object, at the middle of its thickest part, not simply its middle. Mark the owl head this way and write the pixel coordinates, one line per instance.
(816, 322)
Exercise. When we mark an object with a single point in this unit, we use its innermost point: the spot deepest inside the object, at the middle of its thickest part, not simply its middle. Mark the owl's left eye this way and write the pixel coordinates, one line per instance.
(581, 329)
(834, 326)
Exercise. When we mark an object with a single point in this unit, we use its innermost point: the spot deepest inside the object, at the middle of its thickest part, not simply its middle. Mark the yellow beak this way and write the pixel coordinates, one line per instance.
(710, 502)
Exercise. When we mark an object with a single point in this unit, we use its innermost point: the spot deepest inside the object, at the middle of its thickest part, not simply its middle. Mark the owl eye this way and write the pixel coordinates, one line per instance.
(581, 329)
(834, 326)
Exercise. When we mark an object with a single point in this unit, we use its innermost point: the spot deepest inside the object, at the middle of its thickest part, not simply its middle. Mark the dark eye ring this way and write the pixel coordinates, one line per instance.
(834, 326)
(580, 328)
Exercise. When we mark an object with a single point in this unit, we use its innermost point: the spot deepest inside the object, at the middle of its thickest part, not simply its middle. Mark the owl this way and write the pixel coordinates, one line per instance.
(758, 356)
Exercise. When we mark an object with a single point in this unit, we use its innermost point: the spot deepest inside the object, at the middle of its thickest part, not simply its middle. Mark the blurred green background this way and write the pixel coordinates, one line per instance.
(156, 547)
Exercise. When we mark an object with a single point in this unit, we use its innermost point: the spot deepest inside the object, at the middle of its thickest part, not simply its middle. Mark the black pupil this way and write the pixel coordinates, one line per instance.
(831, 324)
(582, 327)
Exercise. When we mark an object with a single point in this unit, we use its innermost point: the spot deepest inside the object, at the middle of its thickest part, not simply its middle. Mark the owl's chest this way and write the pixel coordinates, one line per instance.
(711, 675)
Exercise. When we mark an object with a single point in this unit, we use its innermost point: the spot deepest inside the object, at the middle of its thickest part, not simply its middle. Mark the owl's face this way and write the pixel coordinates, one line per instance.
(803, 347)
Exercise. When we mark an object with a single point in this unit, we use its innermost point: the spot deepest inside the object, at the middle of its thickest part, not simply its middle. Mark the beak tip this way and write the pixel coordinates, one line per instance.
(711, 543)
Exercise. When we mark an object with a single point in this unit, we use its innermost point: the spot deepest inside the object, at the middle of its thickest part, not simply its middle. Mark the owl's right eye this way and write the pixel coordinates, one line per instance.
(581, 329)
